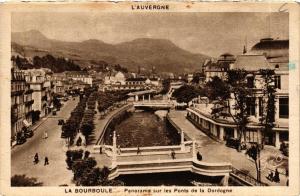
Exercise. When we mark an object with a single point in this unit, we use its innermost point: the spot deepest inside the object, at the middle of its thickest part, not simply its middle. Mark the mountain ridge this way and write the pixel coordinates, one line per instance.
(145, 52)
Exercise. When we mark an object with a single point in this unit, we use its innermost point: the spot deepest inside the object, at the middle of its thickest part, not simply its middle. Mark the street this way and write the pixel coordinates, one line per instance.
(22, 156)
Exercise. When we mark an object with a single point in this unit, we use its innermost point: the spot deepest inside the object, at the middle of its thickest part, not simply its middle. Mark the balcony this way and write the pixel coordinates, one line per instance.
(28, 103)
(29, 91)
(17, 93)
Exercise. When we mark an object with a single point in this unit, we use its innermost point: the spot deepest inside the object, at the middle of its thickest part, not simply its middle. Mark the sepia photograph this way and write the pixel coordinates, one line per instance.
(149, 98)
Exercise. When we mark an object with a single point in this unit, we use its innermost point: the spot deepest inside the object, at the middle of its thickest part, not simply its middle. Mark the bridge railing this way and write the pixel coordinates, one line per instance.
(246, 178)
(151, 150)
(152, 166)
(152, 103)
(109, 121)
(212, 166)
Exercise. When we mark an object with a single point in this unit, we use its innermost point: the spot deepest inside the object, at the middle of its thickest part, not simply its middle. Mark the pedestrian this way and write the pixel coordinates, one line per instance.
(45, 135)
(36, 158)
(119, 150)
(271, 176)
(100, 149)
(173, 154)
(199, 156)
(46, 161)
(276, 176)
(138, 150)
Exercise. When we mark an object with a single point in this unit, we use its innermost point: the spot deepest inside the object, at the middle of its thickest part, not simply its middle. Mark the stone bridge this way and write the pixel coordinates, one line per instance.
(158, 159)
(154, 104)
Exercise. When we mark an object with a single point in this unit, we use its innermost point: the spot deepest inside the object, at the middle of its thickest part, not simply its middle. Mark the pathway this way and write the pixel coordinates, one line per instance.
(213, 151)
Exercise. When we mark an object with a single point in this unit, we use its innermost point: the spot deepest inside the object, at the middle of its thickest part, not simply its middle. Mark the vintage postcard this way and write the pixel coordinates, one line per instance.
(149, 98)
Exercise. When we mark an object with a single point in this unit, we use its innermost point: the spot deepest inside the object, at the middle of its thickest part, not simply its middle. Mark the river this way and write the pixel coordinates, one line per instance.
(145, 128)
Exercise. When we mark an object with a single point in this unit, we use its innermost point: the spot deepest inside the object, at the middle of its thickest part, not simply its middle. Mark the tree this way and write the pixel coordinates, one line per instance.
(267, 117)
(18, 61)
(217, 89)
(254, 153)
(68, 130)
(22, 180)
(238, 87)
(87, 129)
(186, 93)
(197, 76)
(166, 86)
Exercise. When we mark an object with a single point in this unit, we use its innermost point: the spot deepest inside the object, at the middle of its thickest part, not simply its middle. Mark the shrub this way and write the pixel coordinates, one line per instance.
(22, 180)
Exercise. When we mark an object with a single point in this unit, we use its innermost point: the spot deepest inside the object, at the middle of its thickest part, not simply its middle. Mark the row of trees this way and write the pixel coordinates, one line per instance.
(87, 125)
(81, 118)
(108, 99)
(59, 64)
(85, 171)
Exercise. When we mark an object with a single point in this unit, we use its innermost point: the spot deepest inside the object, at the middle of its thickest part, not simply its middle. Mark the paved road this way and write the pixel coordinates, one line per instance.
(213, 151)
(22, 155)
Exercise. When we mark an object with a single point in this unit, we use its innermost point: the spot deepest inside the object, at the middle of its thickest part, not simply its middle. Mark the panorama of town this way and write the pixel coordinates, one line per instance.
(225, 124)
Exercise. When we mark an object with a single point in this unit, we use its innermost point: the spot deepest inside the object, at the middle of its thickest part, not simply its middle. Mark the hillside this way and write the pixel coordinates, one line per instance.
(144, 52)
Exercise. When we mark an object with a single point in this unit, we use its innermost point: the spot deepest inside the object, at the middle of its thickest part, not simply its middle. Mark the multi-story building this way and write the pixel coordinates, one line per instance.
(58, 80)
(21, 103)
(135, 84)
(218, 67)
(39, 82)
(79, 76)
(267, 54)
(115, 78)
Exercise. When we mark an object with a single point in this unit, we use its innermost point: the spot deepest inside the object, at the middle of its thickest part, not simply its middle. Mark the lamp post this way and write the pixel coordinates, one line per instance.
(259, 167)
(182, 141)
(114, 150)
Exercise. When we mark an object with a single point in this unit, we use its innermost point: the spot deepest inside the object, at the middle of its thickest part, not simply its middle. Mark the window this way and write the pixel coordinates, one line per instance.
(250, 106)
(276, 66)
(250, 82)
(260, 106)
(277, 82)
(284, 107)
(251, 136)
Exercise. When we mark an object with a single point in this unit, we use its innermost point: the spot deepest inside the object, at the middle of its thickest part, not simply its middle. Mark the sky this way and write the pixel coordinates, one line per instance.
(208, 33)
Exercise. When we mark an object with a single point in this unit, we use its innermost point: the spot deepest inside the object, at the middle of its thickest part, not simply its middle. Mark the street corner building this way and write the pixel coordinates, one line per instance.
(267, 54)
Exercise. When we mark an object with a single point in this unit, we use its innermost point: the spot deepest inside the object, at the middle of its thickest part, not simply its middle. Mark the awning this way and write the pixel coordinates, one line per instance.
(26, 124)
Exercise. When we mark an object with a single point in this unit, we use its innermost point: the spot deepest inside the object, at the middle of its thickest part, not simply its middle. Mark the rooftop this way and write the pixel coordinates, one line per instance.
(251, 62)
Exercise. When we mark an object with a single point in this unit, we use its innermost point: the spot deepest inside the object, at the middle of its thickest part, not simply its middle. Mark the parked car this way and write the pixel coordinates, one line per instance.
(21, 140)
(28, 133)
(233, 143)
(61, 122)
(236, 144)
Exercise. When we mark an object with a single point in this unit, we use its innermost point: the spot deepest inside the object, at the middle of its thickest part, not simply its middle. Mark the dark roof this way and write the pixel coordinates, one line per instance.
(225, 55)
(76, 73)
(136, 79)
(269, 43)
